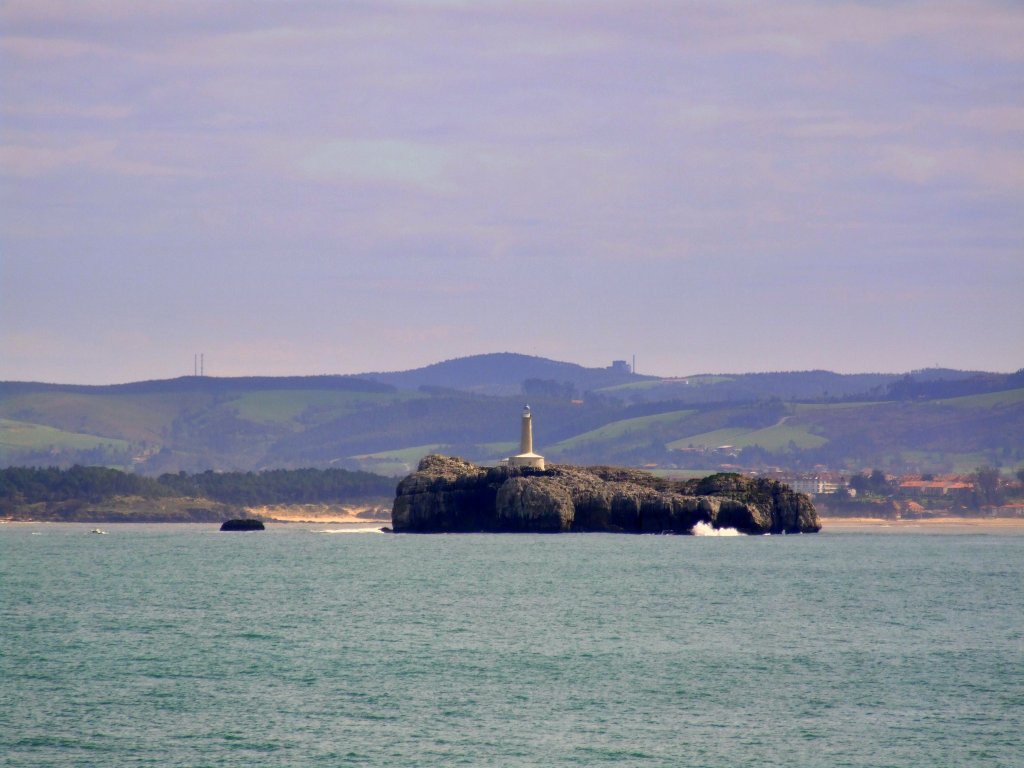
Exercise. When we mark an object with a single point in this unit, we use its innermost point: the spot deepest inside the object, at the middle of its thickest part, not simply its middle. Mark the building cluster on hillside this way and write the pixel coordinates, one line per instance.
(813, 483)
(822, 483)
(910, 495)
(943, 487)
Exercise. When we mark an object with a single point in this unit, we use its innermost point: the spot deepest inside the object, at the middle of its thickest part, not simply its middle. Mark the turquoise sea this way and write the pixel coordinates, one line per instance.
(170, 645)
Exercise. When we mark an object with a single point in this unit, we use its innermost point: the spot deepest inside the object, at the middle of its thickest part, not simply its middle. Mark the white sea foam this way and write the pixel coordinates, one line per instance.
(349, 530)
(706, 529)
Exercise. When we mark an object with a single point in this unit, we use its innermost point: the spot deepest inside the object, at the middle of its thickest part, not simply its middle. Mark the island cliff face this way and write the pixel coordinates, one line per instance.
(450, 495)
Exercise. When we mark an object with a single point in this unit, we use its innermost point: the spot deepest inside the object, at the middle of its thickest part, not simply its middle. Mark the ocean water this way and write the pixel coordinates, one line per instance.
(168, 645)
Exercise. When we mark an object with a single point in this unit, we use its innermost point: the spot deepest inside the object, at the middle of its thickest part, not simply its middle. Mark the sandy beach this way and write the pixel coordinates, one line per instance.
(322, 513)
(933, 524)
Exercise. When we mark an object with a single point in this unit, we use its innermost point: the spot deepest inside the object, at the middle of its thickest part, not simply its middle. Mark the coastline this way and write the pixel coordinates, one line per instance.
(276, 513)
(930, 524)
(372, 515)
(322, 513)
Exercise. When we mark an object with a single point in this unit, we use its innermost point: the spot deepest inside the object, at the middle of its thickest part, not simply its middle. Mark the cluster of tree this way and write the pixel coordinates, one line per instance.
(29, 485)
(280, 486)
(753, 387)
(548, 389)
(875, 483)
(911, 387)
(987, 489)
(229, 385)
(103, 455)
(32, 485)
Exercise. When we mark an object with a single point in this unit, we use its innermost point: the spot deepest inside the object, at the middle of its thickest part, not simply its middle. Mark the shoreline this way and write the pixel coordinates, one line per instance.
(321, 513)
(947, 524)
(271, 513)
(316, 514)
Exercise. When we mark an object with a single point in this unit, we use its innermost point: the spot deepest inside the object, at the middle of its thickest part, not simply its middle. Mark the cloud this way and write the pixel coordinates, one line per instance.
(52, 109)
(410, 155)
(385, 161)
(991, 169)
(101, 155)
(44, 49)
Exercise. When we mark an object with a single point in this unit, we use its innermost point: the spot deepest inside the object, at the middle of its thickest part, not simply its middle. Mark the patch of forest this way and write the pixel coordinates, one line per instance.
(22, 487)
(911, 387)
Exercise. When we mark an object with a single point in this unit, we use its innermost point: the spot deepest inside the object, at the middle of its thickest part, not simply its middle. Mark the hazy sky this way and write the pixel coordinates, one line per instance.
(335, 187)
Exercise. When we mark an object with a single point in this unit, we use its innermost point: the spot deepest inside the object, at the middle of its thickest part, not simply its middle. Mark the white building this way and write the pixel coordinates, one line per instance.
(526, 457)
(814, 486)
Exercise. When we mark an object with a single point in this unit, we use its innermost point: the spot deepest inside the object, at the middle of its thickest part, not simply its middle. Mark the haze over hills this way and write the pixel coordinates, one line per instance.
(503, 373)
(936, 420)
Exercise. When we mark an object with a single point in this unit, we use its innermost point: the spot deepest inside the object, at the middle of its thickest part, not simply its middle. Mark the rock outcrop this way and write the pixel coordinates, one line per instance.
(450, 495)
(242, 524)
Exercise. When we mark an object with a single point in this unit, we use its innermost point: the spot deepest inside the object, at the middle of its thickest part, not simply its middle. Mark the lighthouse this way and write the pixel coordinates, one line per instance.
(526, 457)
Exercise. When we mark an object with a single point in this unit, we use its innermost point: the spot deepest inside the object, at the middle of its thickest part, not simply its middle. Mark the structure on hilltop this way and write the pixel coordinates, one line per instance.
(526, 457)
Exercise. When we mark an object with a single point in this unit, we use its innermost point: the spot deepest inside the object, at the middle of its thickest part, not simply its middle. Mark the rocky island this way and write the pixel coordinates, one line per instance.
(450, 495)
(243, 524)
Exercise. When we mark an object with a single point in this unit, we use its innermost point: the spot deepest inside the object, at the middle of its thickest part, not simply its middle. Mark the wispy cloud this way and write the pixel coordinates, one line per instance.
(634, 157)
(377, 161)
(99, 156)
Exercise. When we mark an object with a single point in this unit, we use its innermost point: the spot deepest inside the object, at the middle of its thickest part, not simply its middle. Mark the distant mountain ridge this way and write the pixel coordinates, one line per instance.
(932, 420)
(502, 373)
(203, 384)
(800, 385)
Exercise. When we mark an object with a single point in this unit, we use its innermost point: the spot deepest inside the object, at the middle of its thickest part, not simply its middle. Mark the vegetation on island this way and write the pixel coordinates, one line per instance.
(101, 493)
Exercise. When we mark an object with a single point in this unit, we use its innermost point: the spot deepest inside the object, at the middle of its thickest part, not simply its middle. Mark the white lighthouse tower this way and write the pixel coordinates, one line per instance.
(526, 457)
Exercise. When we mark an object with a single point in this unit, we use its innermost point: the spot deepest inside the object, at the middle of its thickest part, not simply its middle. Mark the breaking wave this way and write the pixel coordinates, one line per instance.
(706, 529)
(349, 530)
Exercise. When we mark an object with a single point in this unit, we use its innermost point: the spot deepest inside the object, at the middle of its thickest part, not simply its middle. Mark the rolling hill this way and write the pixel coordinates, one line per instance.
(387, 423)
(503, 373)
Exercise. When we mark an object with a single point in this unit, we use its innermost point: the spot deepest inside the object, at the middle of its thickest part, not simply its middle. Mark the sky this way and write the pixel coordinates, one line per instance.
(327, 187)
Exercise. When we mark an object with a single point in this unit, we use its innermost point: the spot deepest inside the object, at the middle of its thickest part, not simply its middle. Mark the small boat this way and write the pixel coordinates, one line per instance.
(98, 530)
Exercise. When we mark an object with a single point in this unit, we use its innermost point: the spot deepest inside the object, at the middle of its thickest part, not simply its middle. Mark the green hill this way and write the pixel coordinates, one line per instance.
(255, 423)
(504, 373)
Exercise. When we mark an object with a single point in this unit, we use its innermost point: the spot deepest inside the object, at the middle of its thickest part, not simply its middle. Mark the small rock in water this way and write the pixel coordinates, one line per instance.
(242, 524)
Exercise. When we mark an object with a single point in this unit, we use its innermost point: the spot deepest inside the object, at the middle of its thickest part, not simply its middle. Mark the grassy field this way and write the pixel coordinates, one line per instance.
(639, 386)
(635, 386)
(397, 462)
(774, 438)
(134, 417)
(409, 455)
(961, 463)
(714, 439)
(499, 450)
(617, 429)
(20, 435)
(252, 428)
(990, 400)
(818, 407)
(403, 460)
(284, 406)
(780, 436)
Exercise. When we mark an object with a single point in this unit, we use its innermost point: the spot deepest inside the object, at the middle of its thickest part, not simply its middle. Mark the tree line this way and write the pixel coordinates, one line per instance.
(32, 485)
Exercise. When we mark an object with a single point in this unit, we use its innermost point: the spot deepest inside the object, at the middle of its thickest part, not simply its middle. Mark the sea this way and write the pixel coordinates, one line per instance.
(334, 645)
